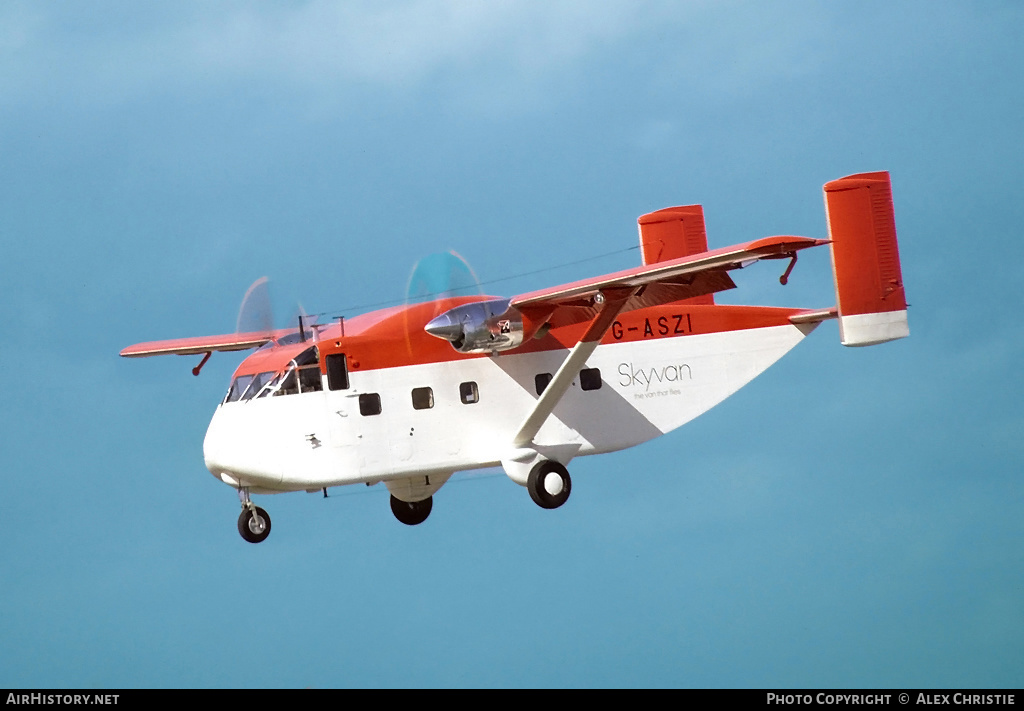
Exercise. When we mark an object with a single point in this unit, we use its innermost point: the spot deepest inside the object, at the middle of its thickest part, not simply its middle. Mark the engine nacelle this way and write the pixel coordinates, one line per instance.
(480, 327)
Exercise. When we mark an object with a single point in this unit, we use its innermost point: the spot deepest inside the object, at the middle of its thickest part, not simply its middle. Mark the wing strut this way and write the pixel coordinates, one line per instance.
(195, 371)
(611, 302)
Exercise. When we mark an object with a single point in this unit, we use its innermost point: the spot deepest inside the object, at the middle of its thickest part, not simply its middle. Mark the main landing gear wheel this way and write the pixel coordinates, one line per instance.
(411, 512)
(549, 484)
(254, 524)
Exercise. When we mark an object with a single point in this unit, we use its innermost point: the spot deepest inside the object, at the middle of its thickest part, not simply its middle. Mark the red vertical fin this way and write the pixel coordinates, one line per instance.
(672, 233)
(866, 260)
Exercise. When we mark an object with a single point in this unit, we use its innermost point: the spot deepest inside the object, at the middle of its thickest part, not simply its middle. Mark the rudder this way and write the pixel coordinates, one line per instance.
(671, 233)
(865, 259)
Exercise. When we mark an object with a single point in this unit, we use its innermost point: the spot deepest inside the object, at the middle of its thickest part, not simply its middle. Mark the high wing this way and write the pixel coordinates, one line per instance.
(200, 344)
(601, 299)
(663, 282)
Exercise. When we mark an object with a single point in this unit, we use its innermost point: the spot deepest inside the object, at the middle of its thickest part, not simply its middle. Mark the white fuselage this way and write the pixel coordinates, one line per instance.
(319, 439)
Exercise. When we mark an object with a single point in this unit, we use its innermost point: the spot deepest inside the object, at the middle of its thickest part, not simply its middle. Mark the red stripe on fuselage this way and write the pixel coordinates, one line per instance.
(395, 337)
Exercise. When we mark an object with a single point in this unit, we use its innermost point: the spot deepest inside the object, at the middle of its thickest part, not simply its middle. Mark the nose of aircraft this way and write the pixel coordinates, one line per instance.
(212, 446)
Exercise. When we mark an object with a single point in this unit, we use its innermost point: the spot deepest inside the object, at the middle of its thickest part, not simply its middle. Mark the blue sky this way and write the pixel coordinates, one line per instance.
(852, 518)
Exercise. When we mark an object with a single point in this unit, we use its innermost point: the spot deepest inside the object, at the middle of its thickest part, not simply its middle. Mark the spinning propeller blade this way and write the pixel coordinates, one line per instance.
(438, 276)
(255, 315)
(441, 275)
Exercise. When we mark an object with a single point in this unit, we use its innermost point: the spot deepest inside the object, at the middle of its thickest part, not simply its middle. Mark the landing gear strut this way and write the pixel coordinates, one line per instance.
(411, 512)
(549, 484)
(253, 522)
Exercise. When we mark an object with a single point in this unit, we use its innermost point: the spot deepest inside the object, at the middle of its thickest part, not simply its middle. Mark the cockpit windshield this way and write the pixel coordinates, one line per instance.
(301, 375)
(257, 384)
(238, 387)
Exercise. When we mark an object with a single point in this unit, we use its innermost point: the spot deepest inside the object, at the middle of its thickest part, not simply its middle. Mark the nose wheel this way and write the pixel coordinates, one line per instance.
(253, 522)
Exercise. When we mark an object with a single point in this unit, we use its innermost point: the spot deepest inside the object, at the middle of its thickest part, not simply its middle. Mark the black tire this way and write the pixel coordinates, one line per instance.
(412, 513)
(247, 531)
(535, 484)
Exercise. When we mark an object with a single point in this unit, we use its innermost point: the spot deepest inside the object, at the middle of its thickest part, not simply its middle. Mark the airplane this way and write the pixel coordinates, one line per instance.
(411, 394)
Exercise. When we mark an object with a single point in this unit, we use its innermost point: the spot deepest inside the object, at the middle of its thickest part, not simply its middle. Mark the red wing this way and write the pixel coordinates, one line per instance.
(661, 282)
(197, 345)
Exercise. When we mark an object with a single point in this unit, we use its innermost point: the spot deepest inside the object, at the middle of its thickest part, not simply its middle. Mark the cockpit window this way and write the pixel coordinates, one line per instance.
(310, 356)
(238, 387)
(302, 375)
(309, 379)
(256, 385)
(271, 388)
(288, 385)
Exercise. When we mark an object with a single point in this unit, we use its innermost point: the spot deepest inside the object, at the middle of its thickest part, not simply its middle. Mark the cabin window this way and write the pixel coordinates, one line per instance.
(337, 371)
(469, 393)
(369, 404)
(541, 381)
(422, 398)
(590, 378)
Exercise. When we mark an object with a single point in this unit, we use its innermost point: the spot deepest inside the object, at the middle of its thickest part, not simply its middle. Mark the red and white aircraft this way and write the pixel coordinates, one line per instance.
(411, 394)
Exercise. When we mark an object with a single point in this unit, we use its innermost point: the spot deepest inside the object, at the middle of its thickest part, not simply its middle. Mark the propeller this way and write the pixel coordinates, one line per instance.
(441, 275)
(255, 315)
(438, 276)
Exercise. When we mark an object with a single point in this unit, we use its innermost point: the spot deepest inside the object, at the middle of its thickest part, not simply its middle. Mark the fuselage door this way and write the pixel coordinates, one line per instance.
(340, 401)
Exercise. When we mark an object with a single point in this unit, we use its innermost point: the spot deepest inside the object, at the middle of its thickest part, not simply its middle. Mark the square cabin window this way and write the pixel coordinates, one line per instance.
(541, 381)
(590, 378)
(469, 393)
(422, 398)
(369, 404)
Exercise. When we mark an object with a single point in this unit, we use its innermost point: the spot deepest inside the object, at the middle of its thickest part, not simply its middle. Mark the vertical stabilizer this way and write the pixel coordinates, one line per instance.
(866, 260)
(672, 233)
